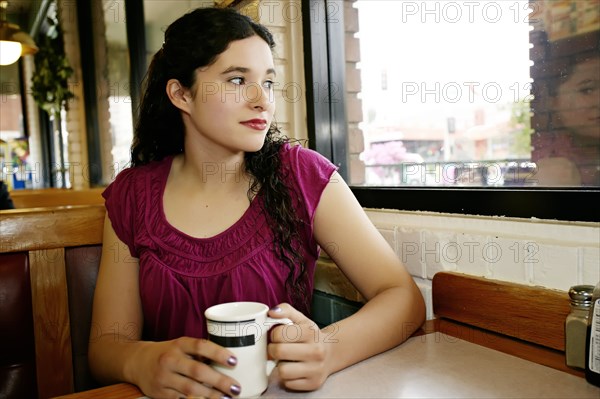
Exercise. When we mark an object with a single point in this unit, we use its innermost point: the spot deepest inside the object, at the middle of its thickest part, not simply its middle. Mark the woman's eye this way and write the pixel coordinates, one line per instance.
(589, 88)
(268, 84)
(237, 81)
(586, 90)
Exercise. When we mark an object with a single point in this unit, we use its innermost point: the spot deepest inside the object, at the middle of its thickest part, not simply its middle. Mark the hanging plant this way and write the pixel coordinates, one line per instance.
(50, 88)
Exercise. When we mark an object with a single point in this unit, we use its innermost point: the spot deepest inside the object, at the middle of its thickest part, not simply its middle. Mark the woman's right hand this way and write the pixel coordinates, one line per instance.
(179, 368)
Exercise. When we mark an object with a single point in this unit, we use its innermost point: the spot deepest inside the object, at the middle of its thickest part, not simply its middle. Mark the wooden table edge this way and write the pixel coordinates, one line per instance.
(117, 391)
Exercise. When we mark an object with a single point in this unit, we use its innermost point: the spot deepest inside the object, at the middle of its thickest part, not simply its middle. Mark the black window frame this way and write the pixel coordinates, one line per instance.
(327, 131)
(136, 44)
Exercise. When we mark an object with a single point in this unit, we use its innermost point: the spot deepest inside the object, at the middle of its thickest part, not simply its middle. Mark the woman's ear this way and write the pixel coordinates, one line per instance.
(179, 95)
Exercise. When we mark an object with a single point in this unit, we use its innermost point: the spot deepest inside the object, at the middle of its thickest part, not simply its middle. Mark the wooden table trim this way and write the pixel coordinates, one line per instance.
(525, 350)
(117, 391)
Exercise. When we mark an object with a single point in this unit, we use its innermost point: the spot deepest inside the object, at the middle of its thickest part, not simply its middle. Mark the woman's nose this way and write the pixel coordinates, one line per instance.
(258, 97)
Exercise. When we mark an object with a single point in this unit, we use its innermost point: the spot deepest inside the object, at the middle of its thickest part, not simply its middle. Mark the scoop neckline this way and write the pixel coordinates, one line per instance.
(229, 230)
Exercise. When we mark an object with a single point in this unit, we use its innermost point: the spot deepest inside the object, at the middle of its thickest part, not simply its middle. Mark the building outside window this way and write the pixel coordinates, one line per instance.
(467, 93)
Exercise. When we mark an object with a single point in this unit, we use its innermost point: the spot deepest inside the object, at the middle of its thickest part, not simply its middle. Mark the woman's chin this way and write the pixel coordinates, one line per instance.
(255, 145)
(589, 135)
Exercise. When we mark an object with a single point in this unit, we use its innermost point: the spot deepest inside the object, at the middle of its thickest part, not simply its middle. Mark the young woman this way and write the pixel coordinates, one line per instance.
(567, 152)
(218, 207)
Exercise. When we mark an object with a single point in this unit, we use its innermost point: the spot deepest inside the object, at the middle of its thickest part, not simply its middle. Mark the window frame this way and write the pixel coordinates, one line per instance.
(88, 76)
(134, 15)
(325, 66)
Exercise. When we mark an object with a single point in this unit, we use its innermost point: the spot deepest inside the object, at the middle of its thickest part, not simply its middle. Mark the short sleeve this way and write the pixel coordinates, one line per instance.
(312, 172)
(120, 202)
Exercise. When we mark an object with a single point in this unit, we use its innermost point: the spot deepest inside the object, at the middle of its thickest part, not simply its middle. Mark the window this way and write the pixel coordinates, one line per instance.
(14, 146)
(451, 108)
(118, 85)
(457, 133)
(112, 53)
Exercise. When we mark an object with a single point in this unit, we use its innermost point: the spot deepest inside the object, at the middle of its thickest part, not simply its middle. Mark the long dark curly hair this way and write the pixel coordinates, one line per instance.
(193, 41)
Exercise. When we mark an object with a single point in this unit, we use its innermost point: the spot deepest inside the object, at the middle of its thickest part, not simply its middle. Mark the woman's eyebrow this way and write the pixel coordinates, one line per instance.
(586, 81)
(244, 70)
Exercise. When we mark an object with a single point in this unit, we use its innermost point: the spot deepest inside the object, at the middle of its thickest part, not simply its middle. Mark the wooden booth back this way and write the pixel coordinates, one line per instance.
(45, 197)
(49, 260)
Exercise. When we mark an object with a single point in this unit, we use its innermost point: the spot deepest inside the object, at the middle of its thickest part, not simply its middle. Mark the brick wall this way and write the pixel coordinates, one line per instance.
(75, 121)
(284, 19)
(353, 88)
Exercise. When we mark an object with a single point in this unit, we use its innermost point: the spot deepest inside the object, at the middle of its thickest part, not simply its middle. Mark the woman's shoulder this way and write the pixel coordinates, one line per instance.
(133, 193)
(304, 159)
(132, 173)
(135, 177)
(310, 173)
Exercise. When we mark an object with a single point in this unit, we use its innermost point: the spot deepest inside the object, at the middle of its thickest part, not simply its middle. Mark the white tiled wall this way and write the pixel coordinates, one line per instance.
(551, 254)
(75, 121)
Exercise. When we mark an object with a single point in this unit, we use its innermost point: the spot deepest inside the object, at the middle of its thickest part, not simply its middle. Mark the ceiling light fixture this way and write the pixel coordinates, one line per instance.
(13, 41)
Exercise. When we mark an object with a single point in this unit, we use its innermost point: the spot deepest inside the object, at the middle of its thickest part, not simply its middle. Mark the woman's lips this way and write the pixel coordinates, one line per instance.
(256, 124)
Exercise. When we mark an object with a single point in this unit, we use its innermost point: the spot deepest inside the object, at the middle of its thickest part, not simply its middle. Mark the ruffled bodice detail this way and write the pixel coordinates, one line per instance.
(180, 275)
(202, 257)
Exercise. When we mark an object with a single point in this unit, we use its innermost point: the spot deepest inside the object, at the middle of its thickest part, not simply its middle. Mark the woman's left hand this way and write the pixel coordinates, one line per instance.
(301, 349)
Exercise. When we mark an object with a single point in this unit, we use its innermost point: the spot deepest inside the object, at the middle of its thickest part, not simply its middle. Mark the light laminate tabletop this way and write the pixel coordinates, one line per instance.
(434, 365)
(440, 366)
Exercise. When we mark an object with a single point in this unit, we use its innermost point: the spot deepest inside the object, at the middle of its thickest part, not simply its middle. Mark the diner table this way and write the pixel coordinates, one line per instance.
(433, 365)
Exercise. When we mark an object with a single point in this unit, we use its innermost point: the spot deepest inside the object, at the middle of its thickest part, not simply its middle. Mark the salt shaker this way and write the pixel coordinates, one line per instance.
(576, 325)
(592, 345)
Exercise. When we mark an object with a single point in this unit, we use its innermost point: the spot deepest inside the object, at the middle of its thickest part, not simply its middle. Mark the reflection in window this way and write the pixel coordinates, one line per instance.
(449, 102)
(566, 73)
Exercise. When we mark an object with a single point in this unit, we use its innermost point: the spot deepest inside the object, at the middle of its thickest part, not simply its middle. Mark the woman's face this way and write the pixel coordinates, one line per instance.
(578, 100)
(233, 98)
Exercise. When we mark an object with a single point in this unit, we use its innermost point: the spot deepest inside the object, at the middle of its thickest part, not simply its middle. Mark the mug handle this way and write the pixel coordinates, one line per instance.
(270, 322)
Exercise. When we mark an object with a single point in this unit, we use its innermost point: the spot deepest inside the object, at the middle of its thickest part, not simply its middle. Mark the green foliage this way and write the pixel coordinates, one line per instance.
(520, 119)
(50, 89)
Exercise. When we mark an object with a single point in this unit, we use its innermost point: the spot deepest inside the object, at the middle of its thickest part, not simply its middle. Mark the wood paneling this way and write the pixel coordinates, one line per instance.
(52, 227)
(51, 322)
(56, 197)
(524, 350)
(532, 314)
(117, 391)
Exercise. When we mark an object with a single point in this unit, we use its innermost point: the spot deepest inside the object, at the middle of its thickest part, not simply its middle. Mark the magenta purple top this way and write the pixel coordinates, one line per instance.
(181, 276)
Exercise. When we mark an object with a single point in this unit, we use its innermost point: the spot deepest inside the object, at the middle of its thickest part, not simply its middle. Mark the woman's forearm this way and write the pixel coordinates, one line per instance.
(385, 321)
(111, 356)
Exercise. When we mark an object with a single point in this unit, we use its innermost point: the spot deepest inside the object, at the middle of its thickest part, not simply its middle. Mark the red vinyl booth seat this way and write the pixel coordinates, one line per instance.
(17, 344)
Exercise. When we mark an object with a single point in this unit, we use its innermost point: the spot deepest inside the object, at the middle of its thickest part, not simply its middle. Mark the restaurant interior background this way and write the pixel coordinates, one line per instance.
(467, 130)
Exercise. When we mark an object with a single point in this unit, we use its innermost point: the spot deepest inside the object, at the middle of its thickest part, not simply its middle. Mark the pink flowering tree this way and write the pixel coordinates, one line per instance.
(391, 153)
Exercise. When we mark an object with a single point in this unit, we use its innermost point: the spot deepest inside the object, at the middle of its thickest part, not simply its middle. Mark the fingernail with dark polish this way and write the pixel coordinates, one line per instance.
(235, 389)
(225, 397)
(232, 361)
(276, 309)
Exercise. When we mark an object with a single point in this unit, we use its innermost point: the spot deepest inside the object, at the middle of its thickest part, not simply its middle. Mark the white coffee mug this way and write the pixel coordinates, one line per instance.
(243, 327)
